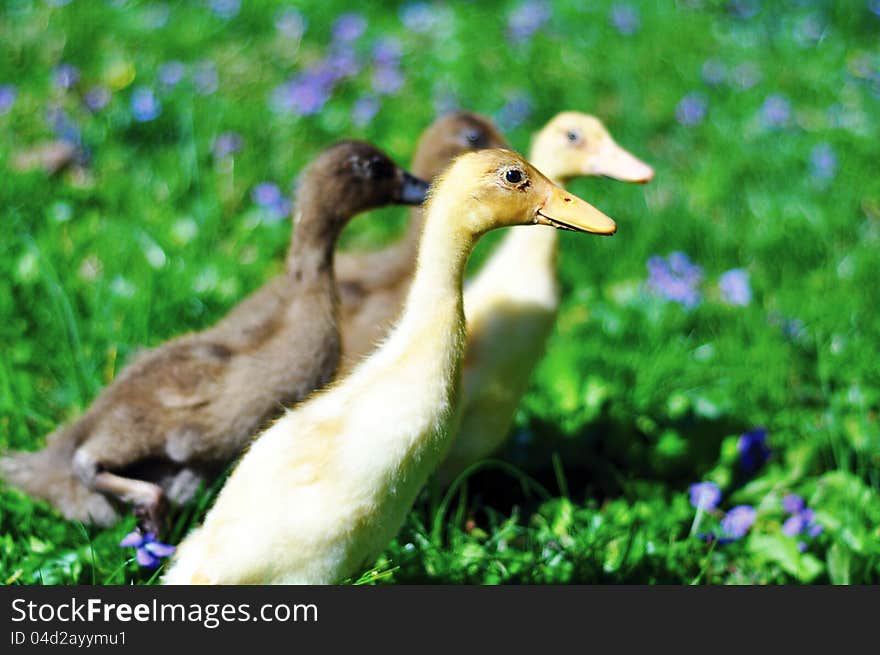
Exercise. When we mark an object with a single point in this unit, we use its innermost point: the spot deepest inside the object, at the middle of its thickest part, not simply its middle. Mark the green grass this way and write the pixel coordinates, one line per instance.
(637, 397)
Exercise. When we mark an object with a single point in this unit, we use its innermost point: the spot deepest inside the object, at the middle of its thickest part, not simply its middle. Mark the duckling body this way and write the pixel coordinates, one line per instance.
(373, 285)
(190, 405)
(512, 303)
(335, 477)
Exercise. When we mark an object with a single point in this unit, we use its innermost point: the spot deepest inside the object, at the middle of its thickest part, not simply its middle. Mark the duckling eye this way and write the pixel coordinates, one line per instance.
(380, 168)
(514, 176)
(572, 136)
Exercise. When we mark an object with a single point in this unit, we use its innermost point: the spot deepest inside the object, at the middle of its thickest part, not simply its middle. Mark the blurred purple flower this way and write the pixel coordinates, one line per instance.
(8, 93)
(97, 98)
(705, 495)
(365, 108)
(171, 73)
(149, 551)
(205, 78)
(305, 94)
(156, 16)
(736, 523)
(713, 72)
(625, 19)
(746, 76)
(226, 144)
(793, 503)
(776, 110)
(418, 17)
(387, 80)
(63, 126)
(349, 27)
(290, 23)
(801, 518)
(675, 278)
(225, 9)
(341, 62)
(515, 111)
(268, 196)
(145, 106)
(744, 9)
(527, 19)
(65, 76)
(692, 109)
(823, 162)
(874, 6)
(735, 288)
(753, 450)
(387, 52)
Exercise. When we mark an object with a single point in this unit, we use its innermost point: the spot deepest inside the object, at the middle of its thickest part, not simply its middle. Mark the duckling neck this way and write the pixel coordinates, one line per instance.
(442, 255)
(310, 256)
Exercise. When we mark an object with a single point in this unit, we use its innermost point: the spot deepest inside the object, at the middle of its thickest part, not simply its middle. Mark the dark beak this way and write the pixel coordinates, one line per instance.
(412, 190)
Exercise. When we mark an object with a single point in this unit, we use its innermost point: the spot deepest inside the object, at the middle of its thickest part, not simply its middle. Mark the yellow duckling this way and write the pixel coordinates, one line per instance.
(512, 302)
(321, 492)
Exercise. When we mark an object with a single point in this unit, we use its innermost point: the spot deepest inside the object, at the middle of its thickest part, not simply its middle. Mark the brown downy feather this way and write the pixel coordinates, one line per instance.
(373, 285)
(191, 404)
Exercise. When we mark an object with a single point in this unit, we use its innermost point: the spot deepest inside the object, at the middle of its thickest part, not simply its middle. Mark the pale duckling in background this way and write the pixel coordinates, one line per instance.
(186, 408)
(333, 479)
(373, 285)
(511, 304)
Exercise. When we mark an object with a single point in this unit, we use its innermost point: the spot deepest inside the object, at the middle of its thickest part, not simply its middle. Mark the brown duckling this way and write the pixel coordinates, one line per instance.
(189, 406)
(373, 285)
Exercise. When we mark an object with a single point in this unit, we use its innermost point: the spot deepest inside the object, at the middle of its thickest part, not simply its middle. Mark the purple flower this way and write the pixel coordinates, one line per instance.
(823, 162)
(387, 52)
(205, 78)
(342, 62)
(171, 73)
(63, 126)
(365, 108)
(349, 27)
(149, 551)
(792, 503)
(225, 9)
(290, 23)
(735, 289)
(305, 94)
(874, 6)
(691, 110)
(744, 9)
(97, 98)
(747, 75)
(736, 523)
(675, 278)
(775, 111)
(226, 144)
(268, 196)
(527, 19)
(387, 80)
(705, 495)
(713, 72)
(515, 111)
(8, 94)
(753, 450)
(418, 17)
(145, 106)
(65, 76)
(625, 19)
(801, 518)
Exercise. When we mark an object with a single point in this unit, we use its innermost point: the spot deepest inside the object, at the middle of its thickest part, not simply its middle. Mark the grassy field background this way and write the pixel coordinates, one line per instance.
(761, 119)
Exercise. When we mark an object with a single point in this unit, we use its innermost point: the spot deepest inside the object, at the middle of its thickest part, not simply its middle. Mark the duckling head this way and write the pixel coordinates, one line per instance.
(451, 135)
(500, 188)
(575, 144)
(352, 176)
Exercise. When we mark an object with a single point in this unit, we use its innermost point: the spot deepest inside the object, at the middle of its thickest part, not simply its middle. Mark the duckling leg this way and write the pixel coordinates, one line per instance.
(147, 498)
